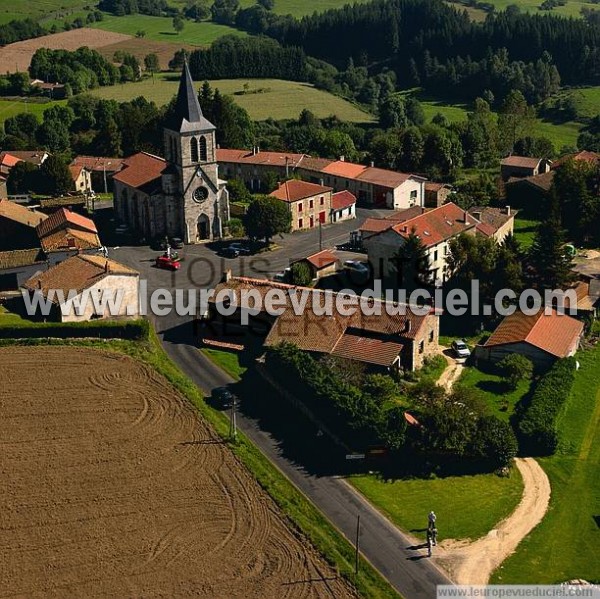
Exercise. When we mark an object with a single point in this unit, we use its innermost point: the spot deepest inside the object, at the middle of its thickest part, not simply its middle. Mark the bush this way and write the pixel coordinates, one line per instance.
(301, 274)
(537, 427)
(495, 440)
(132, 330)
(515, 368)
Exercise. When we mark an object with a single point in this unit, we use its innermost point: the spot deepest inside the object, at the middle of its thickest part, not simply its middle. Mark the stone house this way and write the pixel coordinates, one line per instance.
(82, 178)
(523, 166)
(498, 223)
(343, 206)
(436, 194)
(18, 226)
(92, 275)
(309, 204)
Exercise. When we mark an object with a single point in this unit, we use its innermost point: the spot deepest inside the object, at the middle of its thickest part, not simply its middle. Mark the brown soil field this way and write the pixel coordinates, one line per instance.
(142, 47)
(113, 487)
(17, 56)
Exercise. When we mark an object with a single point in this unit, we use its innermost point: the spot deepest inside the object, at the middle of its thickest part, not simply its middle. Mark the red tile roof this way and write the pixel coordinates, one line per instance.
(383, 178)
(521, 161)
(75, 170)
(432, 186)
(36, 157)
(294, 190)
(77, 273)
(341, 168)
(553, 333)
(141, 168)
(99, 163)
(583, 156)
(322, 259)
(376, 225)
(438, 224)
(342, 199)
(21, 214)
(69, 239)
(63, 218)
(264, 158)
(353, 346)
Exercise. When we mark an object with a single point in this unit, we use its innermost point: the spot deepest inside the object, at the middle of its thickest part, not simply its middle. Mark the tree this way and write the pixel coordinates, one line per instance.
(266, 217)
(515, 368)
(413, 149)
(495, 440)
(23, 125)
(550, 264)
(238, 192)
(224, 11)
(392, 113)
(55, 177)
(414, 111)
(178, 24)
(23, 178)
(108, 140)
(54, 136)
(179, 58)
(152, 63)
(412, 263)
(301, 274)
(515, 119)
(140, 33)
(267, 4)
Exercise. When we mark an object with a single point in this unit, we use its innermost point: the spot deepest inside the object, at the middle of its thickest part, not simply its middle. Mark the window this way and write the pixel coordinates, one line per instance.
(300, 223)
(421, 346)
(413, 194)
(299, 206)
(435, 256)
(322, 200)
(311, 203)
(203, 150)
(445, 250)
(194, 149)
(431, 336)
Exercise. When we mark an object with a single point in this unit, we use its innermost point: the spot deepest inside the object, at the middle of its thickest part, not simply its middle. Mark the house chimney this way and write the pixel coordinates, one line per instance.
(508, 210)
(466, 218)
(372, 164)
(342, 158)
(253, 150)
(322, 182)
(226, 276)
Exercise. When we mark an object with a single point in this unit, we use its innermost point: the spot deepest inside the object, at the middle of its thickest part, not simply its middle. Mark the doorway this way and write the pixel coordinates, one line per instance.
(203, 227)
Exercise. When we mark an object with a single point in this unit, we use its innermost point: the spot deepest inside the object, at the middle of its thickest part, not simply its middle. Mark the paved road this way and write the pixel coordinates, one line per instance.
(381, 543)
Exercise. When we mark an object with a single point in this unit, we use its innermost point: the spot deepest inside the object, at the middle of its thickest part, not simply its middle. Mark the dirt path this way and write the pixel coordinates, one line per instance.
(452, 372)
(474, 563)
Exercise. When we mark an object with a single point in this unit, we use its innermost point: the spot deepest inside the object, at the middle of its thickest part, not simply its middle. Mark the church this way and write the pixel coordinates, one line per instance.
(180, 195)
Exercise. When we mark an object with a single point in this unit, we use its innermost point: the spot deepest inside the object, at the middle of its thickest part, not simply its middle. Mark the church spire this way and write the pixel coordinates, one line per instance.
(187, 113)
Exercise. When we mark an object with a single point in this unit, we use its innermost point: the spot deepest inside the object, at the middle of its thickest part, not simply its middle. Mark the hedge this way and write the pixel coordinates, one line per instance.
(132, 330)
(538, 425)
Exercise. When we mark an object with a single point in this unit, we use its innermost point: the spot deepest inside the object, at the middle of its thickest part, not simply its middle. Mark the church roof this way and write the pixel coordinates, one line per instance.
(187, 115)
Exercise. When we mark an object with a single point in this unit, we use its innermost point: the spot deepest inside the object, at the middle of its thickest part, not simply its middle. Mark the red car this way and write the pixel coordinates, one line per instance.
(168, 263)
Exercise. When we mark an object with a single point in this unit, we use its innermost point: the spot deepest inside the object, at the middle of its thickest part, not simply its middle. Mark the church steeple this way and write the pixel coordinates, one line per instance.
(187, 116)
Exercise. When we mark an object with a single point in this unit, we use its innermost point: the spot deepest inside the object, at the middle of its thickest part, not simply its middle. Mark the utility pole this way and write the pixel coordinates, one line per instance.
(357, 545)
(232, 422)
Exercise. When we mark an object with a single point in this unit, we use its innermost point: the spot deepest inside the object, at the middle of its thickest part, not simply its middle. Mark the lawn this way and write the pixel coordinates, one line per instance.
(525, 231)
(9, 108)
(161, 29)
(500, 401)
(280, 100)
(565, 545)
(9, 318)
(229, 361)
(39, 9)
(467, 507)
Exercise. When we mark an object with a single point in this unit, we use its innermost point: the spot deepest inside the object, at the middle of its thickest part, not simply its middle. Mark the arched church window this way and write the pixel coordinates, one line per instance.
(173, 149)
(194, 149)
(203, 150)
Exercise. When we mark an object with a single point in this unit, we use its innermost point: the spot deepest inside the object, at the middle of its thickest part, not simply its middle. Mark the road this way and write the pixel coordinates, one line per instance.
(381, 543)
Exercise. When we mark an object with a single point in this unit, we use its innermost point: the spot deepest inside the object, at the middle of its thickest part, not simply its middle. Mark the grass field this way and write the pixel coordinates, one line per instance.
(571, 9)
(283, 100)
(226, 360)
(9, 108)
(467, 507)
(161, 29)
(525, 231)
(500, 401)
(587, 100)
(565, 545)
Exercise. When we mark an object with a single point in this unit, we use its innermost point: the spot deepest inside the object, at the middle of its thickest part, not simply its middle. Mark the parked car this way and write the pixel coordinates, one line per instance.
(168, 263)
(223, 397)
(235, 249)
(357, 266)
(283, 276)
(176, 243)
(460, 349)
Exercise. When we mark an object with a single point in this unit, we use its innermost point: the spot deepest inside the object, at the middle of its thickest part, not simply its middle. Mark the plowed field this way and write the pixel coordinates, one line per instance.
(113, 487)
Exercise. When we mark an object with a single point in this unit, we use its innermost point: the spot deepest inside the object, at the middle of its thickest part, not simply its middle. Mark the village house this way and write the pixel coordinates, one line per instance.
(543, 338)
(523, 166)
(56, 91)
(436, 194)
(372, 226)
(343, 206)
(592, 158)
(370, 185)
(3, 188)
(180, 195)
(17, 266)
(82, 178)
(498, 223)
(10, 158)
(321, 264)
(18, 226)
(95, 275)
(382, 342)
(435, 228)
(309, 204)
(530, 193)
(67, 232)
(101, 170)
